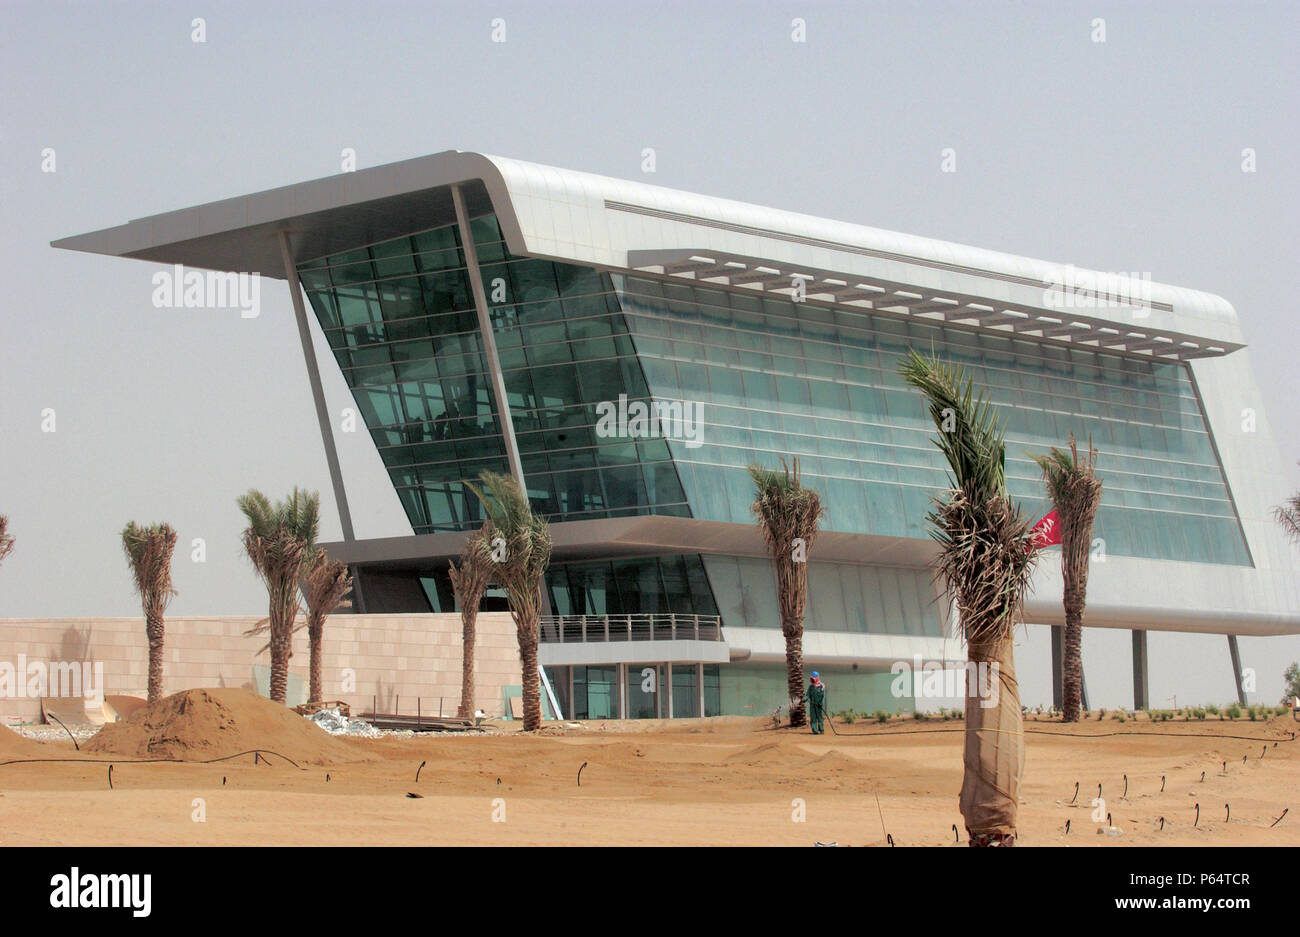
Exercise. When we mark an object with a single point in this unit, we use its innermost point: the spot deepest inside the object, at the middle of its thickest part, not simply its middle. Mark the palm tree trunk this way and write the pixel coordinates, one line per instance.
(995, 750)
(154, 631)
(281, 647)
(1074, 572)
(468, 620)
(794, 673)
(315, 632)
(1072, 662)
(532, 690)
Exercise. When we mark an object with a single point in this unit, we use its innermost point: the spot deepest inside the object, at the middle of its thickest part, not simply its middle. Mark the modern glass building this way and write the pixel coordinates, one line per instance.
(491, 314)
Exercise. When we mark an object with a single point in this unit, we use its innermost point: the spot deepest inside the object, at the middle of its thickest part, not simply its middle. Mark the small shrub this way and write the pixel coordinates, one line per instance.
(920, 716)
(849, 717)
(1234, 711)
(1212, 710)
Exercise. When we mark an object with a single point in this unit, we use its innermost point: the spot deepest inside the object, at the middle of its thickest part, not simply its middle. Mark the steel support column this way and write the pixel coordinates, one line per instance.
(1141, 690)
(1236, 668)
(317, 391)
(491, 359)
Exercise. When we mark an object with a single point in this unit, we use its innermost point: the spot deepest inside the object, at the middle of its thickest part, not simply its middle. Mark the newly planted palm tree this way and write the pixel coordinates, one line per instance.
(525, 551)
(1075, 491)
(324, 583)
(6, 541)
(984, 563)
(469, 581)
(149, 554)
(280, 540)
(788, 514)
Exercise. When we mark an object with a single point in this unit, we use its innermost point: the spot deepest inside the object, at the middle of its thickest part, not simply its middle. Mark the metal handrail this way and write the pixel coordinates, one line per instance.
(572, 629)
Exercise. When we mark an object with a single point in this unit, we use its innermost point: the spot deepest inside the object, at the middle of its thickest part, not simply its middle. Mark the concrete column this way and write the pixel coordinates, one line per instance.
(1141, 691)
(1058, 673)
(1236, 668)
(668, 669)
(622, 691)
(317, 391)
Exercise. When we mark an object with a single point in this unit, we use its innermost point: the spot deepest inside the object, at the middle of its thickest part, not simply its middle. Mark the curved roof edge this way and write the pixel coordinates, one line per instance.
(584, 217)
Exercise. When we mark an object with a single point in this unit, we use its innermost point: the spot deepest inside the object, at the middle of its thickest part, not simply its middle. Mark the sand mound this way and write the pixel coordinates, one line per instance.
(13, 745)
(835, 761)
(198, 725)
(765, 751)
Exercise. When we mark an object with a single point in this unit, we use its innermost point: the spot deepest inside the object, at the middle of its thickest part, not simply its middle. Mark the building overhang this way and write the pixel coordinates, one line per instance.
(612, 538)
(322, 217)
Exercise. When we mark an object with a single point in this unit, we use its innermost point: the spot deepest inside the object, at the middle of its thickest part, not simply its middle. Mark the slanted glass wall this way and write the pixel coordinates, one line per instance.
(784, 378)
(401, 320)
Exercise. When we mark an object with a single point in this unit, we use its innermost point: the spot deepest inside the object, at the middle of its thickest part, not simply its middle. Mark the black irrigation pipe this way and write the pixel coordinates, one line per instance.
(1101, 735)
(65, 729)
(150, 761)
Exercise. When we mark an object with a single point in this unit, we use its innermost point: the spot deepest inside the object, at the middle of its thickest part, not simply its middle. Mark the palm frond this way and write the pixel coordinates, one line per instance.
(984, 562)
(148, 550)
(6, 541)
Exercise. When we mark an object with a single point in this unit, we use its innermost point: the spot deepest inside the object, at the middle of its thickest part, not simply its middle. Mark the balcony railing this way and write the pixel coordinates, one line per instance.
(573, 629)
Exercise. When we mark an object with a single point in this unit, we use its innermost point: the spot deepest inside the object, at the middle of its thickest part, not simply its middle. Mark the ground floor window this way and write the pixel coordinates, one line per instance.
(595, 692)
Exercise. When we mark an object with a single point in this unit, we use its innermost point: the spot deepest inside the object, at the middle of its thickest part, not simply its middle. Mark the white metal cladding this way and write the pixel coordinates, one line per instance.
(603, 222)
(599, 220)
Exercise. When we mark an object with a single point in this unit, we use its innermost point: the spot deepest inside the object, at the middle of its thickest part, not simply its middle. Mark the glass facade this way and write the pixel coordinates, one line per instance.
(780, 378)
(773, 378)
(400, 318)
(650, 585)
(842, 597)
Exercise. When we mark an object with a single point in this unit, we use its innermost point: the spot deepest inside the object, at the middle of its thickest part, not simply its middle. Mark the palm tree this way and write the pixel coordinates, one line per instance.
(1075, 491)
(788, 514)
(6, 541)
(984, 562)
(280, 540)
(526, 541)
(469, 581)
(1287, 515)
(324, 583)
(149, 554)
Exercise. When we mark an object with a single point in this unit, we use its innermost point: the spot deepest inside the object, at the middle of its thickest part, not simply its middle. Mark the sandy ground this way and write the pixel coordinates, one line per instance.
(708, 782)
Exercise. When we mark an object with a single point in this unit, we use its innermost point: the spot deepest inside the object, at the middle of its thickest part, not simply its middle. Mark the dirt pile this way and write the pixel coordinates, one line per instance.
(13, 745)
(198, 725)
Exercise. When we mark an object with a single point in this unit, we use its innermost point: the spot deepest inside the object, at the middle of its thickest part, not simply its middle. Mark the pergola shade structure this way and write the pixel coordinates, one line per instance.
(850, 290)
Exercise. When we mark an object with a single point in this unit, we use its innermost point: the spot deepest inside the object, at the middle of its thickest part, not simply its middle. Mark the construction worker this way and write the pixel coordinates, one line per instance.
(816, 699)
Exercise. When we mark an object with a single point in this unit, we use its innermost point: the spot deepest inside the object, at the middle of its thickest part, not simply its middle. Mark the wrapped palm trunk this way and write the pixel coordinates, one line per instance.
(995, 745)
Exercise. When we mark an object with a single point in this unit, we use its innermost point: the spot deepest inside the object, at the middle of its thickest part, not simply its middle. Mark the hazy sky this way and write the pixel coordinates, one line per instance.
(1121, 155)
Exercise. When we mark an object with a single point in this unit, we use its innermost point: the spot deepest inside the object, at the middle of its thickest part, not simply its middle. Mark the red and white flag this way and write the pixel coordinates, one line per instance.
(1047, 532)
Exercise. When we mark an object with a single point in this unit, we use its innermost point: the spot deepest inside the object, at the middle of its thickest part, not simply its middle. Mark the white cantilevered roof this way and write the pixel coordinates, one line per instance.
(622, 225)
